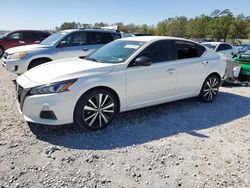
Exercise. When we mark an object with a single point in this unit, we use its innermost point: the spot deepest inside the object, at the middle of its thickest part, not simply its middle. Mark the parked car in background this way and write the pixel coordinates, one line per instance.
(63, 44)
(221, 47)
(20, 38)
(123, 75)
(243, 48)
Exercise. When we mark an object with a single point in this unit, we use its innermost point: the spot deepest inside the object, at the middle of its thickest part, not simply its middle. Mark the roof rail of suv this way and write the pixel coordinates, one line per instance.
(108, 28)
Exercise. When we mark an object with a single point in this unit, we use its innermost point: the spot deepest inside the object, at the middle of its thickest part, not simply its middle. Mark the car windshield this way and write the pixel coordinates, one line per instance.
(115, 52)
(52, 39)
(3, 34)
(211, 46)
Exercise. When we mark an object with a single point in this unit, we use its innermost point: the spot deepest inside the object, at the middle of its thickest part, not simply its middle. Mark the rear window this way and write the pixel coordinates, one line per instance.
(223, 47)
(101, 37)
(42, 35)
(187, 49)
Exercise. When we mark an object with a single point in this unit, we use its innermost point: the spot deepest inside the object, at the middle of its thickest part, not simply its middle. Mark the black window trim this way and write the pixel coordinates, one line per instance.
(85, 31)
(155, 63)
(196, 44)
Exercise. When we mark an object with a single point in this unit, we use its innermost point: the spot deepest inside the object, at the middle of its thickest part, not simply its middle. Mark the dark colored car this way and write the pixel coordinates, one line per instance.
(21, 37)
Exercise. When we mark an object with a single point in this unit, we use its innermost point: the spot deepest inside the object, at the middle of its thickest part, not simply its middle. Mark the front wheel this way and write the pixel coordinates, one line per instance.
(210, 88)
(1, 51)
(96, 109)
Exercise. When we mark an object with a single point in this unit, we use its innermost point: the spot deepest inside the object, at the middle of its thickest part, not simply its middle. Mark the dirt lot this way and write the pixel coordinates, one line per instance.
(180, 144)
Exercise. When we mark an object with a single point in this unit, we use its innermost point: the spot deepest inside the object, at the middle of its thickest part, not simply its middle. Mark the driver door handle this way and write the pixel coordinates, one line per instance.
(85, 49)
(21, 42)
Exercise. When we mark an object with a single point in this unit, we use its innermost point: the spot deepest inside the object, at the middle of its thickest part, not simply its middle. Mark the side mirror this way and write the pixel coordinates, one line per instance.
(142, 61)
(63, 43)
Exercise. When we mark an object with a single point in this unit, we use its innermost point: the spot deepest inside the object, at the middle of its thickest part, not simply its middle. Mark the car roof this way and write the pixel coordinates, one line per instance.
(153, 38)
(214, 43)
(27, 30)
(89, 30)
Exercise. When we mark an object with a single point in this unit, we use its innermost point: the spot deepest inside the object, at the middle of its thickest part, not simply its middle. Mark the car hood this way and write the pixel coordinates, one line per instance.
(60, 70)
(26, 48)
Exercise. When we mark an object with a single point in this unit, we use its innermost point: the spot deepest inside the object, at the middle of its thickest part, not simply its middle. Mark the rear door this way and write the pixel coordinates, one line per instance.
(98, 39)
(192, 67)
(29, 37)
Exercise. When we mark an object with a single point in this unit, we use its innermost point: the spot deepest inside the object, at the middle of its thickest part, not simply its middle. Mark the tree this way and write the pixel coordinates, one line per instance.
(238, 28)
(69, 25)
(176, 27)
(198, 27)
(219, 27)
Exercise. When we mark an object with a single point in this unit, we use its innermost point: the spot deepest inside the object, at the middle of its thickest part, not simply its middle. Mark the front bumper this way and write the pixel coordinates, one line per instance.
(60, 104)
(17, 66)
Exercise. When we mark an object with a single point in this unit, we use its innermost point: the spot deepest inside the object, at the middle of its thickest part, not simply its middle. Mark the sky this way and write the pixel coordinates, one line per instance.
(47, 14)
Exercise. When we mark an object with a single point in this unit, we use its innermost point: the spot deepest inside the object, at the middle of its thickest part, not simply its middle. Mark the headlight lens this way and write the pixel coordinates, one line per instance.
(52, 88)
(18, 55)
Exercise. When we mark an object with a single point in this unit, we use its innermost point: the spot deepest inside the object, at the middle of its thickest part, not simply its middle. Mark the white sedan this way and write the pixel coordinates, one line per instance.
(126, 74)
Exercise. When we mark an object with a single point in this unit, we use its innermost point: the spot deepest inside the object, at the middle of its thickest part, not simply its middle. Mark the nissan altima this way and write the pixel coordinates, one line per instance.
(126, 74)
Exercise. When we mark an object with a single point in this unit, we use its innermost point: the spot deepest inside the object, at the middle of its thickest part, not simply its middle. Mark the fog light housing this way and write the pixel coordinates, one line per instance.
(47, 113)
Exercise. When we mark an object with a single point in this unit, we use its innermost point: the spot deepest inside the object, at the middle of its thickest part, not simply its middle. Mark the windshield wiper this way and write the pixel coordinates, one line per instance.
(95, 60)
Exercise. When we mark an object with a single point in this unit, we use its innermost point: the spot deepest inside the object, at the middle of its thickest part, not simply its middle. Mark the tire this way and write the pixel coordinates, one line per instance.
(95, 109)
(1, 51)
(37, 62)
(210, 88)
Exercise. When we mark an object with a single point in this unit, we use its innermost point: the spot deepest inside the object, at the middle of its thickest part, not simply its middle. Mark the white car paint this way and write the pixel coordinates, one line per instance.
(227, 53)
(136, 87)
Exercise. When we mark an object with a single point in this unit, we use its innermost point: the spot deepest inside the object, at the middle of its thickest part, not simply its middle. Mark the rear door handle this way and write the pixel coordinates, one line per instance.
(205, 62)
(21, 42)
(171, 71)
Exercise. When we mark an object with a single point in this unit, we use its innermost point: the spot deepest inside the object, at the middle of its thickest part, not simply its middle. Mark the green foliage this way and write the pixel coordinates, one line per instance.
(219, 25)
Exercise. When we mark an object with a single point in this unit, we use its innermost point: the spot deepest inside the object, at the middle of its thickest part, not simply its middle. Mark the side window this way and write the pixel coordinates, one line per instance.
(187, 49)
(16, 36)
(160, 51)
(223, 47)
(28, 36)
(75, 39)
(41, 35)
(101, 37)
(200, 50)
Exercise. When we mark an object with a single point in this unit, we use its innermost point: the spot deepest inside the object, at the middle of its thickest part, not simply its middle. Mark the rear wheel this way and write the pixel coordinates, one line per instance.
(210, 88)
(37, 62)
(1, 51)
(96, 109)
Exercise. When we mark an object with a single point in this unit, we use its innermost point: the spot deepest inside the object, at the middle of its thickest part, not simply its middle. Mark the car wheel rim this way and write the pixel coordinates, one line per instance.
(211, 88)
(99, 110)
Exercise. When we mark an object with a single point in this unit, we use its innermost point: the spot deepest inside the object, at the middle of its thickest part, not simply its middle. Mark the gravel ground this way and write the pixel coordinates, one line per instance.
(180, 144)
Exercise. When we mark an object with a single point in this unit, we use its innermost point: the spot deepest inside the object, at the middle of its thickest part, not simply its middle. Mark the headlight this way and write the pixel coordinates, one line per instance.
(52, 88)
(18, 55)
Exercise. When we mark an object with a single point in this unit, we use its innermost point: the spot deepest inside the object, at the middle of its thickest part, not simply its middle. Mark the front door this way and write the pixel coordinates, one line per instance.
(149, 84)
(75, 45)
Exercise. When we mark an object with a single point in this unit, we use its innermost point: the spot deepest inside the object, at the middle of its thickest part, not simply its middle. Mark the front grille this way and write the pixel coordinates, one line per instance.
(21, 94)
